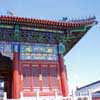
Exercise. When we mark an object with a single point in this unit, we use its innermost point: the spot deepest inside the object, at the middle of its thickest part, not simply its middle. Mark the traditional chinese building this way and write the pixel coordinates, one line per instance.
(32, 51)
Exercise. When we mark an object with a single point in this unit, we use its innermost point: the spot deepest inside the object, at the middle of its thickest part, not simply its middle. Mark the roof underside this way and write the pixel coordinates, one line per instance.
(68, 33)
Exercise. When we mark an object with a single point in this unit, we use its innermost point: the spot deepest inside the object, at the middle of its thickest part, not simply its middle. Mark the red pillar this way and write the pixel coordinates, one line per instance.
(16, 77)
(64, 81)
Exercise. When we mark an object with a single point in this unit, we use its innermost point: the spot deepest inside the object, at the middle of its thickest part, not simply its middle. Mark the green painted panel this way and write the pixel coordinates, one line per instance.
(5, 26)
(80, 29)
(61, 48)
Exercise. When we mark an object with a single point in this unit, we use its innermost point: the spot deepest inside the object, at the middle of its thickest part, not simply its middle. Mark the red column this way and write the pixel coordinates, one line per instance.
(16, 77)
(60, 85)
(64, 81)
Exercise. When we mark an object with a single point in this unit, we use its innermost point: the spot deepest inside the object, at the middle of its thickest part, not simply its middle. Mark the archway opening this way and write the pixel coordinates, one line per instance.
(6, 75)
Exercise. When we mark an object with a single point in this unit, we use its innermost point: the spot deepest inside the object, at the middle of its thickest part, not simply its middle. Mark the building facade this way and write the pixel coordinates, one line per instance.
(93, 89)
(31, 54)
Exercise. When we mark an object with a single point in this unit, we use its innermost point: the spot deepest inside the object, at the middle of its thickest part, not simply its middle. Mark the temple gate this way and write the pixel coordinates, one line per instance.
(32, 53)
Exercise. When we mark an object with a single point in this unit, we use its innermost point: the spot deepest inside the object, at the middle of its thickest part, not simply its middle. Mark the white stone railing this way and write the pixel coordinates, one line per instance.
(56, 97)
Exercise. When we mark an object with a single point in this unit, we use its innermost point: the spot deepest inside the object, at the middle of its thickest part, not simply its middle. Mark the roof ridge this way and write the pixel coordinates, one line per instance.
(74, 23)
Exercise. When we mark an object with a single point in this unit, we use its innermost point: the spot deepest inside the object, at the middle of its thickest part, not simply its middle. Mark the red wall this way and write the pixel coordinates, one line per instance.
(18, 79)
(96, 98)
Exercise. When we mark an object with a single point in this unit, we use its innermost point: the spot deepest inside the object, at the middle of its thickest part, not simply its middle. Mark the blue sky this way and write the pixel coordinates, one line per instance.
(83, 61)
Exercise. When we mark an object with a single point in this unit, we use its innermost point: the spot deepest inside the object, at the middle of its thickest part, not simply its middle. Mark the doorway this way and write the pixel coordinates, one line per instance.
(6, 74)
(41, 77)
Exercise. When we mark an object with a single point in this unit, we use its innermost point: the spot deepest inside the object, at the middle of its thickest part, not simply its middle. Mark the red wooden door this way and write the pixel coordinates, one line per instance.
(44, 78)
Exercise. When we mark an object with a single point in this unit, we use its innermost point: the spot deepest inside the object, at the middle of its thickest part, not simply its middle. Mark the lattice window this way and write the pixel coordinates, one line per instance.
(53, 76)
(45, 74)
(35, 76)
(26, 76)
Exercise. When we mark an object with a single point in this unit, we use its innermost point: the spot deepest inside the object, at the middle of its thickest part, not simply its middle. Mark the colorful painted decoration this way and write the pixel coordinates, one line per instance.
(40, 29)
(27, 49)
(38, 52)
(1, 48)
(6, 49)
(61, 48)
(6, 26)
(17, 28)
(15, 47)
